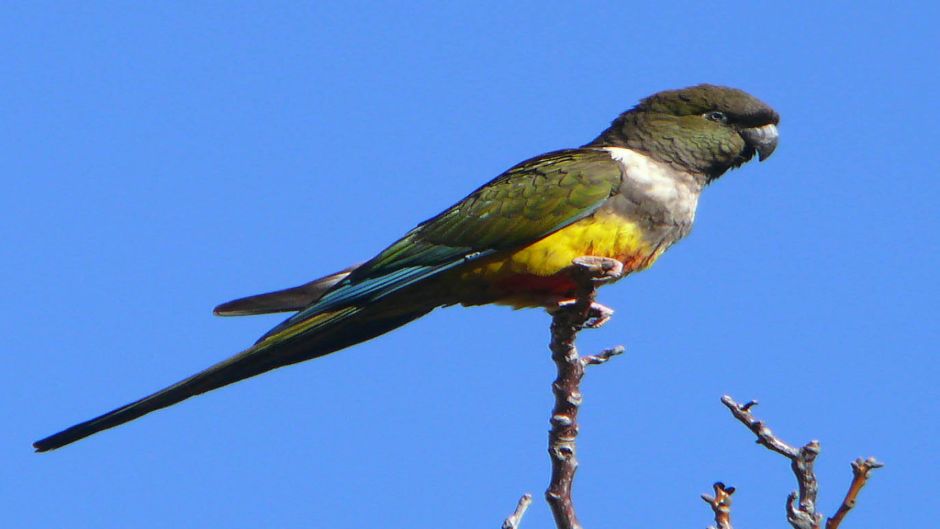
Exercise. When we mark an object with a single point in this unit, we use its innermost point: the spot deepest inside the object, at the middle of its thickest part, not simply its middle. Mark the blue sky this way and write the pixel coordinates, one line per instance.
(161, 159)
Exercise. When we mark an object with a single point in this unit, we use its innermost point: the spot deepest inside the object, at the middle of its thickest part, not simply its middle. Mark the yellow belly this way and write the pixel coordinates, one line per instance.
(604, 234)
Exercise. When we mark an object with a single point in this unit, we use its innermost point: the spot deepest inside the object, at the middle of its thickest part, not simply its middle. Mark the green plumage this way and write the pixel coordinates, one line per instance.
(645, 171)
(527, 202)
(530, 200)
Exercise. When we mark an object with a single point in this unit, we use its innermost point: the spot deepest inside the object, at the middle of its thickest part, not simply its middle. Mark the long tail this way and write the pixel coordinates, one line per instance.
(287, 300)
(324, 334)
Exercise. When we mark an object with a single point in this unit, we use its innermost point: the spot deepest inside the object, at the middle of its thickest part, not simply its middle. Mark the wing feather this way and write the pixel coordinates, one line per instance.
(522, 205)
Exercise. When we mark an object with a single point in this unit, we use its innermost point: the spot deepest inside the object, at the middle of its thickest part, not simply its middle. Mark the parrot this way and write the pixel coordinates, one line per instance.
(628, 195)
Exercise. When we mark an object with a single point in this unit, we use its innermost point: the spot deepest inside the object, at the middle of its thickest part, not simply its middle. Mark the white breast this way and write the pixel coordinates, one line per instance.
(658, 186)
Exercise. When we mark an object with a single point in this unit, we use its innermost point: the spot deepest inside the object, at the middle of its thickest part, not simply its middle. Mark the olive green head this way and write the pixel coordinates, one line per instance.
(706, 129)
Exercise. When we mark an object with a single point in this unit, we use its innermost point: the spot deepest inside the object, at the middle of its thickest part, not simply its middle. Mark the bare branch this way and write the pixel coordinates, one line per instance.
(567, 320)
(721, 505)
(602, 357)
(801, 506)
(861, 468)
(512, 522)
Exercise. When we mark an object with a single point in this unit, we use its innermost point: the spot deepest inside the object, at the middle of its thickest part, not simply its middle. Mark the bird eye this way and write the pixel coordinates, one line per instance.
(716, 115)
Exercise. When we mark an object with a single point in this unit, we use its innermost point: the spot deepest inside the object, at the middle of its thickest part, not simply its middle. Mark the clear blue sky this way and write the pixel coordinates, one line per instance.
(158, 160)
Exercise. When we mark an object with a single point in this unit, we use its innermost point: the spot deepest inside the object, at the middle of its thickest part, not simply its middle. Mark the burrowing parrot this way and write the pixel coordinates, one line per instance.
(628, 195)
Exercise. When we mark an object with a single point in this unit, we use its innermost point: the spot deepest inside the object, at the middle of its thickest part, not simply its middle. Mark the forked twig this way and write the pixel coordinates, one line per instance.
(801, 504)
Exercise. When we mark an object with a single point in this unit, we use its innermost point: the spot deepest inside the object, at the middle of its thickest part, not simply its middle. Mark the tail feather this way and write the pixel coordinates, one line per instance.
(333, 331)
(286, 300)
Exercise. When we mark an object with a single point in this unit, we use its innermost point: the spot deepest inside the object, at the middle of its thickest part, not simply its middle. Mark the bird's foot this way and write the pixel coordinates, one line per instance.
(598, 314)
(599, 269)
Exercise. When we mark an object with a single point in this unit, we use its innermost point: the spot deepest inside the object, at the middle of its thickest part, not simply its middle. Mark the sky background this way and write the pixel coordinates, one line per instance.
(160, 159)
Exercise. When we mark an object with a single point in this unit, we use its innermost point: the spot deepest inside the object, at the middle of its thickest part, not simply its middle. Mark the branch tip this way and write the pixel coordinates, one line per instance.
(801, 505)
(512, 522)
(861, 470)
(603, 356)
(720, 504)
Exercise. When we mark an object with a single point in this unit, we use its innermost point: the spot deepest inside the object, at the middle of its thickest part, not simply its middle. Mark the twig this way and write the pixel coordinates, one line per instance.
(567, 321)
(602, 357)
(802, 513)
(512, 522)
(801, 506)
(721, 505)
(861, 468)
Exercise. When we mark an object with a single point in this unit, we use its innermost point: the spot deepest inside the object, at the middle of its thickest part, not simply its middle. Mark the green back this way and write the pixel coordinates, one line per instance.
(522, 205)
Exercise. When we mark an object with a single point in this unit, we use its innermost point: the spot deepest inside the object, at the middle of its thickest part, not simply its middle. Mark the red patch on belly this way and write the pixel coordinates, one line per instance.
(528, 284)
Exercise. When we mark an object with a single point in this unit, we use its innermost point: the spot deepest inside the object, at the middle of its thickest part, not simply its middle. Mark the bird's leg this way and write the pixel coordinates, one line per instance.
(589, 272)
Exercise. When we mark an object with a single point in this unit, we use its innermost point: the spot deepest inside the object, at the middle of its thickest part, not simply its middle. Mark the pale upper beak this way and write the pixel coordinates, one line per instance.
(763, 139)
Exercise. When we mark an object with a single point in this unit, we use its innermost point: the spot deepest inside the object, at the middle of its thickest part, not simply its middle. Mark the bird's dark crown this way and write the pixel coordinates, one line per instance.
(739, 106)
(704, 129)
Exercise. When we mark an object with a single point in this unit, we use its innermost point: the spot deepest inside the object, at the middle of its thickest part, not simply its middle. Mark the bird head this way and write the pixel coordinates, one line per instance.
(705, 129)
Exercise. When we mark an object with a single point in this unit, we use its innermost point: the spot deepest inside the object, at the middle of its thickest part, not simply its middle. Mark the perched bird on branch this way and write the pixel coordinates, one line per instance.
(627, 195)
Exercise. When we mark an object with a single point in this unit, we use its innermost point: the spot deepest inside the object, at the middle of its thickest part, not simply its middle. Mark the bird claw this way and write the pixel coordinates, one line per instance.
(599, 269)
(598, 314)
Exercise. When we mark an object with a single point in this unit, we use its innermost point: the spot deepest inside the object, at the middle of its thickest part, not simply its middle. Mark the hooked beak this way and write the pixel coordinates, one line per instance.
(762, 139)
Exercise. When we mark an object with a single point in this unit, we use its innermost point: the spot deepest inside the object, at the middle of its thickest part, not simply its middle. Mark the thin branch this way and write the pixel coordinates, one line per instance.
(721, 505)
(861, 468)
(602, 357)
(512, 522)
(567, 321)
(801, 506)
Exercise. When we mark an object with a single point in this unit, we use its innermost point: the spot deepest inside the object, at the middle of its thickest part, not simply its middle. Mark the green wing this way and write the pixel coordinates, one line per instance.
(522, 205)
(519, 207)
